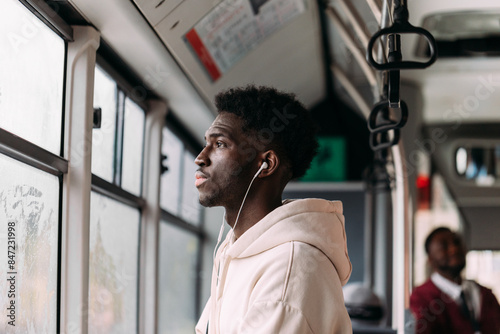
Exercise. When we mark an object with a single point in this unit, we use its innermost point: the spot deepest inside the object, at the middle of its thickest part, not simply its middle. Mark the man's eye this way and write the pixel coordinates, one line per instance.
(220, 144)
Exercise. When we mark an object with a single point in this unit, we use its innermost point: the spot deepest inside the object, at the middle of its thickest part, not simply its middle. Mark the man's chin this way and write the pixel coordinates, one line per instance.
(207, 202)
(458, 268)
(455, 268)
(457, 262)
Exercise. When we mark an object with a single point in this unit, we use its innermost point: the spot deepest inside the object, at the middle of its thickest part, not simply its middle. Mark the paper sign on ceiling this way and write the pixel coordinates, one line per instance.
(235, 27)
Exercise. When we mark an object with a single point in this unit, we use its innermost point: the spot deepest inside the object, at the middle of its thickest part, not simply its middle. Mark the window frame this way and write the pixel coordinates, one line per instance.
(31, 154)
(50, 17)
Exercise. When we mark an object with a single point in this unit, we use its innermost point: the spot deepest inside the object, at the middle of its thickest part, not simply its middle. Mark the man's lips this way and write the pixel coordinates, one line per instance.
(200, 178)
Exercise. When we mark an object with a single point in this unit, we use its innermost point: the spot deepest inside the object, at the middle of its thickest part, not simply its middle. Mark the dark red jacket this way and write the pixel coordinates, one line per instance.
(437, 313)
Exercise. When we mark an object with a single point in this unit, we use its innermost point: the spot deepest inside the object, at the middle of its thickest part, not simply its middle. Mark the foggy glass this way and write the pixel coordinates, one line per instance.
(133, 143)
(103, 139)
(29, 202)
(191, 206)
(177, 280)
(113, 266)
(172, 147)
(31, 81)
(484, 268)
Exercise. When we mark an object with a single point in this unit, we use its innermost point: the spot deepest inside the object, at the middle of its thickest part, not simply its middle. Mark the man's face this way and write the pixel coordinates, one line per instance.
(447, 252)
(224, 166)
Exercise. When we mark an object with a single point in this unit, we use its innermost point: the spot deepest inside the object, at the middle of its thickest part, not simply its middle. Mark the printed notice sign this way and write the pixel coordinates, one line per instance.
(235, 27)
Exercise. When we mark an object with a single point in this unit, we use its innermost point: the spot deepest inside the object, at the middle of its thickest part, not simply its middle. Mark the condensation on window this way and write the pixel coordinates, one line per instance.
(177, 280)
(31, 81)
(133, 142)
(170, 196)
(191, 207)
(484, 268)
(29, 205)
(113, 266)
(103, 138)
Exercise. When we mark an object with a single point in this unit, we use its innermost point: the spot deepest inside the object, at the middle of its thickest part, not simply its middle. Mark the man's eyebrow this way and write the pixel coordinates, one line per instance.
(218, 134)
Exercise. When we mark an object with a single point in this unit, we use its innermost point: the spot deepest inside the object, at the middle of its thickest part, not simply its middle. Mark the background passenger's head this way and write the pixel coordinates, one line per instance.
(446, 251)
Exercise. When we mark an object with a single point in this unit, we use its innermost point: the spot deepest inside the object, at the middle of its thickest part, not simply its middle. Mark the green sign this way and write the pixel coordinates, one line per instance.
(330, 162)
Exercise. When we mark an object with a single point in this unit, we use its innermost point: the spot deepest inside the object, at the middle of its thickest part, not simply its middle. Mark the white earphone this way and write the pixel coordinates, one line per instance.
(262, 167)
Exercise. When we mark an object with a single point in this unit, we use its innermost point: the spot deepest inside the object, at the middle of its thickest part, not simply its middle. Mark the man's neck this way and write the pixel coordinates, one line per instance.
(251, 214)
(451, 276)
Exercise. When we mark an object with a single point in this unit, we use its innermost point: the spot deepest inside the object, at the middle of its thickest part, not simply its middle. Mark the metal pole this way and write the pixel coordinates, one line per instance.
(401, 240)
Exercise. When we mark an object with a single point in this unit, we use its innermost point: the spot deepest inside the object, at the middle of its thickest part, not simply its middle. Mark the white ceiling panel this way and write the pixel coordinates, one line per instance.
(290, 59)
(126, 31)
(156, 10)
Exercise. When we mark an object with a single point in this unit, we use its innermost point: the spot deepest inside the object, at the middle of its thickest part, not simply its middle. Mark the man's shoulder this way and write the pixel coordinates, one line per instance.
(485, 291)
(294, 253)
(307, 252)
(297, 260)
(311, 267)
(482, 287)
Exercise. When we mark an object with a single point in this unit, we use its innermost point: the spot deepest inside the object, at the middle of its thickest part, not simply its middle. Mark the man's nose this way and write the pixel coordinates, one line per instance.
(454, 248)
(202, 158)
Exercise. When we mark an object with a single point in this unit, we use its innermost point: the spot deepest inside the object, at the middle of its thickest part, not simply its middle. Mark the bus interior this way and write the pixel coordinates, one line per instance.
(104, 106)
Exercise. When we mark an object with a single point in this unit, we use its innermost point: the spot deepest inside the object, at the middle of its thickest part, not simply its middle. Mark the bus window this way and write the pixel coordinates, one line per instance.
(115, 205)
(181, 233)
(133, 140)
(177, 281)
(32, 59)
(172, 149)
(113, 259)
(103, 139)
(31, 85)
(484, 268)
(29, 206)
(191, 207)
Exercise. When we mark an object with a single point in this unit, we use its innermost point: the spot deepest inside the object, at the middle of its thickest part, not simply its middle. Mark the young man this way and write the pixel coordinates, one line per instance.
(282, 266)
(446, 303)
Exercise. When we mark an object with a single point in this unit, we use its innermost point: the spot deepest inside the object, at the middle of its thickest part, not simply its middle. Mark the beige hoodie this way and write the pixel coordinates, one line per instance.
(283, 275)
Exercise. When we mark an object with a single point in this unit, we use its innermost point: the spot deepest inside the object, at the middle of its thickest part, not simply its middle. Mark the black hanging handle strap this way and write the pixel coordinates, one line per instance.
(401, 26)
(380, 125)
(382, 107)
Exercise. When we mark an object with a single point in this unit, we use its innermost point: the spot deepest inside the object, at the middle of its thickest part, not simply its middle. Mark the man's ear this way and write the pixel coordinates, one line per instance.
(272, 161)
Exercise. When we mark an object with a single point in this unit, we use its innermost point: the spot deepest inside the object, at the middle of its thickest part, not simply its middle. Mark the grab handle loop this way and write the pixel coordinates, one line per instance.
(394, 56)
(379, 111)
(380, 141)
(401, 26)
(380, 125)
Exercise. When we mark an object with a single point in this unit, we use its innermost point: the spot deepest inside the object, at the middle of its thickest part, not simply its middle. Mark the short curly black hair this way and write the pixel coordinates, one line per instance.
(279, 121)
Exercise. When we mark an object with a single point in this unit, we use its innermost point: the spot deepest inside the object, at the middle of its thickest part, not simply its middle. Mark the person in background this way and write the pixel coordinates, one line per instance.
(282, 265)
(446, 303)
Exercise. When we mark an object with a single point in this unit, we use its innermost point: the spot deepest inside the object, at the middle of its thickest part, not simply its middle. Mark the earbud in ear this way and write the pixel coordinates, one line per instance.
(263, 166)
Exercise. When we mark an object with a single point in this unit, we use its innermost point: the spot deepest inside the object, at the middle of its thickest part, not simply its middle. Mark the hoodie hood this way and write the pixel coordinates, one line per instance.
(317, 222)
